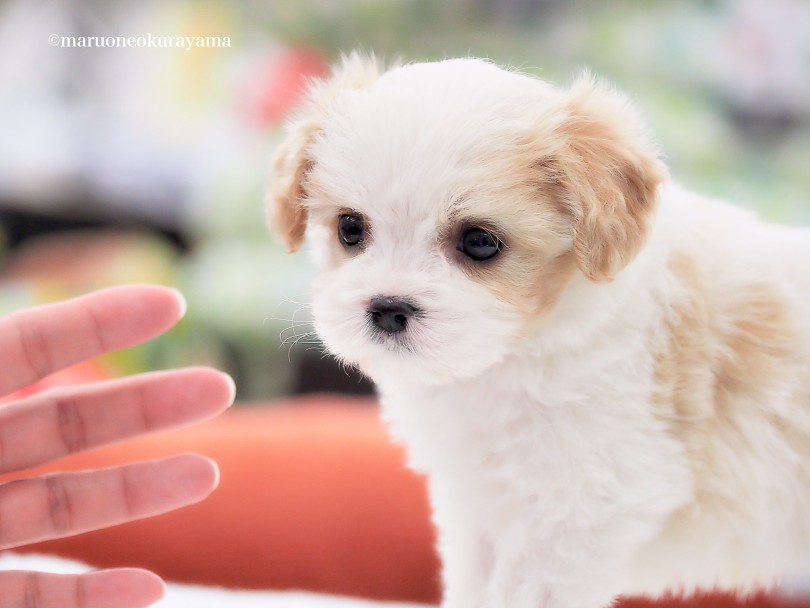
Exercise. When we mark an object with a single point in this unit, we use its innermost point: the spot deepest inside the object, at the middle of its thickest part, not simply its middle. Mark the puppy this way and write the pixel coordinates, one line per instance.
(605, 377)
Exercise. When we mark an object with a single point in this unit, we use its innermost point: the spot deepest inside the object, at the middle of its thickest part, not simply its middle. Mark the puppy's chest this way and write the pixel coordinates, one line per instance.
(494, 431)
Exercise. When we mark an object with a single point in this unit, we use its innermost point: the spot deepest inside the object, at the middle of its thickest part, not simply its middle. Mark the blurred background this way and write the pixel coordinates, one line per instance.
(150, 164)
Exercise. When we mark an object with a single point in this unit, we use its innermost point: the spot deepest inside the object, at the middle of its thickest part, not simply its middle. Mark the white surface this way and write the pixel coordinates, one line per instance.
(188, 596)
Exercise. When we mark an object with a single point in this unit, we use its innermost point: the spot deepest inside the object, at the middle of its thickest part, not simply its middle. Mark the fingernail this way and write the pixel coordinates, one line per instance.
(231, 387)
(218, 477)
(182, 300)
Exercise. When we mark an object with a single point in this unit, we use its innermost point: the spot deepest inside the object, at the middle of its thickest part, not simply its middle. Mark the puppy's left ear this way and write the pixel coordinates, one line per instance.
(286, 214)
(286, 210)
(608, 175)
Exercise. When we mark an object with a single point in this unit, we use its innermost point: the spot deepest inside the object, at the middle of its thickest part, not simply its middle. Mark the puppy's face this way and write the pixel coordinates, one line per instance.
(449, 206)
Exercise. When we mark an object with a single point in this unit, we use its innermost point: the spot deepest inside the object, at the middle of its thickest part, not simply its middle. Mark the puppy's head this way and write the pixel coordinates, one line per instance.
(450, 205)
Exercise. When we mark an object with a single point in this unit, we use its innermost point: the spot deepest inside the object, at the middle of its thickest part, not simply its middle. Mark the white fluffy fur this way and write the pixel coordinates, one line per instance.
(559, 475)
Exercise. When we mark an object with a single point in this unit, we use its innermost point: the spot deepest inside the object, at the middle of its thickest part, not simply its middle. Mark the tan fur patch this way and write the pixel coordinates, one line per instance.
(719, 357)
(759, 340)
(534, 288)
(286, 215)
(608, 175)
(683, 370)
(514, 199)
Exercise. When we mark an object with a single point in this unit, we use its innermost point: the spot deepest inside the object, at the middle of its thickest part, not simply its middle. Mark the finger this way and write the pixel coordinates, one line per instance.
(123, 588)
(41, 508)
(35, 342)
(58, 422)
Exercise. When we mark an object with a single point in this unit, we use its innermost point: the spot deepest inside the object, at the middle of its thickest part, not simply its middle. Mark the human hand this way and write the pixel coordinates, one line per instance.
(57, 422)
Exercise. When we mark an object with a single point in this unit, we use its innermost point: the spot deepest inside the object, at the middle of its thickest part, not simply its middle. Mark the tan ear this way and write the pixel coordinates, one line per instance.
(608, 173)
(286, 208)
(286, 213)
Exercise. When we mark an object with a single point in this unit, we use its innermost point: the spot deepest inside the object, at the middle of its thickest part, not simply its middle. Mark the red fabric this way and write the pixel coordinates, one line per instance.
(313, 496)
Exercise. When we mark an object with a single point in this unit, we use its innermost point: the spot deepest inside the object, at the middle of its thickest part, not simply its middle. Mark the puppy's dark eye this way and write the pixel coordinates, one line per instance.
(351, 229)
(479, 244)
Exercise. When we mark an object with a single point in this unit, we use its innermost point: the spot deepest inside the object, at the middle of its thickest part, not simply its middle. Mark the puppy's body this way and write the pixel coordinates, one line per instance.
(655, 459)
(617, 402)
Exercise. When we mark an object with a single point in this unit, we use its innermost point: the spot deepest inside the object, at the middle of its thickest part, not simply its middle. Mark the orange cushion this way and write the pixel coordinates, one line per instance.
(312, 496)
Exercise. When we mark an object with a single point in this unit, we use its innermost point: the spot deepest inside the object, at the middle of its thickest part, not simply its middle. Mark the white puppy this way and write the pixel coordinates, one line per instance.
(605, 377)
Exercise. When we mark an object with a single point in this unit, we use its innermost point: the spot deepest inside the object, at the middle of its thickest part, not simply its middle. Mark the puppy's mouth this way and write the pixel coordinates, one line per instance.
(398, 344)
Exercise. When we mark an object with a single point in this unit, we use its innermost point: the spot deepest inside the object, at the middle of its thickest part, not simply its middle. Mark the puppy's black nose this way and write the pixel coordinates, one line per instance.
(390, 314)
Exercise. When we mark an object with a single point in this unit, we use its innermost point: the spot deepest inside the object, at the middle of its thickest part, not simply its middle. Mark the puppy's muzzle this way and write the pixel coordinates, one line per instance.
(390, 315)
